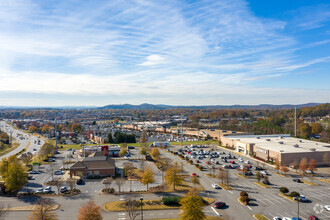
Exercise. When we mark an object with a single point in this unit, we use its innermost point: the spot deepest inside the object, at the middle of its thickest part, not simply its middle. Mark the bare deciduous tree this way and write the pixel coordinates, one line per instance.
(132, 208)
(71, 182)
(119, 182)
(58, 183)
(43, 211)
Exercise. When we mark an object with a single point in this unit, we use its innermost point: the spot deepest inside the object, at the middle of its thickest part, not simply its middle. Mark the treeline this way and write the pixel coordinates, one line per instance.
(120, 137)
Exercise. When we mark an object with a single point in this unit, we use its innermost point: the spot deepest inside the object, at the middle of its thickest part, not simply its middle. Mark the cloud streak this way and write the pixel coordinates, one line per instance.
(132, 47)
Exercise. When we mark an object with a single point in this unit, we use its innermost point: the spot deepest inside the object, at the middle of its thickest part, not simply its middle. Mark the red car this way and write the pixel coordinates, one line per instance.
(194, 174)
(231, 161)
(219, 205)
(207, 162)
(312, 217)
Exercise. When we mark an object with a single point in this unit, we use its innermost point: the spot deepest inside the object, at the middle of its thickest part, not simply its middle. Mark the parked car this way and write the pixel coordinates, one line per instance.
(297, 180)
(40, 190)
(194, 174)
(79, 182)
(264, 172)
(34, 172)
(30, 177)
(48, 189)
(247, 162)
(232, 162)
(313, 217)
(70, 149)
(277, 218)
(63, 189)
(219, 205)
(215, 186)
(301, 198)
(327, 207)
(266, 182)
(294, 218)
(310, 171)
(58, 172)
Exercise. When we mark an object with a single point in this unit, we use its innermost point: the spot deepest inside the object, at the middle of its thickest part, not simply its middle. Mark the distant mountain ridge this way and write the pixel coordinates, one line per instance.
(146, 106)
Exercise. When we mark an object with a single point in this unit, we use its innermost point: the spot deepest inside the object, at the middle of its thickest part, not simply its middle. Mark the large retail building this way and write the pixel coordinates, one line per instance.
(287, 149)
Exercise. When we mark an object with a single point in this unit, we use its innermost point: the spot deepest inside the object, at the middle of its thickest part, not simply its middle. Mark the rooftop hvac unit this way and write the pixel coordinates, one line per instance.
(295, 145)
(258, 137)
(280, 142)
(312, 149)
(267, 139)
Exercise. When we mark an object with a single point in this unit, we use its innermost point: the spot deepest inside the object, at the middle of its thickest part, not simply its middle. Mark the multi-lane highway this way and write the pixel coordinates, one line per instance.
(28, 141)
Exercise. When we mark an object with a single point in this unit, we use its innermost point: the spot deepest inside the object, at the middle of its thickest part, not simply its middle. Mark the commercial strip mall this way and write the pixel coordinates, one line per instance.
(287, 149)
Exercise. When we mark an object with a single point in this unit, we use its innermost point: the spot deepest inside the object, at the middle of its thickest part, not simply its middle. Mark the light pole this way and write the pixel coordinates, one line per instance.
(141, 199)
(298, 199)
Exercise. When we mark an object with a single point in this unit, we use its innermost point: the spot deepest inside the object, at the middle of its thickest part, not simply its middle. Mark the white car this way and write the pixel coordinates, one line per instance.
(303, 198)
(264, 172)
(277, 218)
(286, 218)
(215, 186)
(247, 162)
(40, 190)
(48, 189)
(327, 207)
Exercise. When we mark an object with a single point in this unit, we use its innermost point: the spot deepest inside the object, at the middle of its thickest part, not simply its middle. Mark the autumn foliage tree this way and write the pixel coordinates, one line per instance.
(155, 154)
(277, 165)
(173, 177)
(90, 211)
(312, 165)
(284, 169)
(303, 165)
(316, 128)
(13, 173)
(192, 207)
(148, 176)
(194, 180)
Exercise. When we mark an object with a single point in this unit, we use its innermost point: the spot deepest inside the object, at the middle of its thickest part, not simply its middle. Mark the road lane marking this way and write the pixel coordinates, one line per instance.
(215, 211)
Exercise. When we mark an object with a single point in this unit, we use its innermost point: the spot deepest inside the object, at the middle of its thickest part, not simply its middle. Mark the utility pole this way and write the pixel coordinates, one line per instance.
(181, 131)
(295, 121)
(56, 149)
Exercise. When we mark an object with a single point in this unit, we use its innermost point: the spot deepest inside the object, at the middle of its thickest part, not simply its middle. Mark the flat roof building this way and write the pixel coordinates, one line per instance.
(287, 149)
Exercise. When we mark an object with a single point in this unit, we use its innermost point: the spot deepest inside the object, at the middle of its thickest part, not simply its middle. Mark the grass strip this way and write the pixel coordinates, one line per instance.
(225, 186)
(15, 145)
(310, 183)
(260, 217)
(28, 208)
(118, 206)
(262, 185)
(324, 180)
(287, 197)
(242, 176)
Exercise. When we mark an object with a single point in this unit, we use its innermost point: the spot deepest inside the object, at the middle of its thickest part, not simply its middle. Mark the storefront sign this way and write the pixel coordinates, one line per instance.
(261, 150)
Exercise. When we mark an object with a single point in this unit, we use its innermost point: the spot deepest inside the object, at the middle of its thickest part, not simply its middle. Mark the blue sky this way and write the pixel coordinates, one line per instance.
(57, 53)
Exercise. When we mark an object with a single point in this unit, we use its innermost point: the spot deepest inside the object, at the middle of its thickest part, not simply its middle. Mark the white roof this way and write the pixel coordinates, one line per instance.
(283, 143)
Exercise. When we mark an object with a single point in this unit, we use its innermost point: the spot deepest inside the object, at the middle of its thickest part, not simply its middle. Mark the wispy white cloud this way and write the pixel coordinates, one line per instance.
(153, 59)
(132, 47)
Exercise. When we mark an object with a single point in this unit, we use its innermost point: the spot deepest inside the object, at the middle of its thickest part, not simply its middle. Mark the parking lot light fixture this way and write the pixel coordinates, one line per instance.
(141, 199)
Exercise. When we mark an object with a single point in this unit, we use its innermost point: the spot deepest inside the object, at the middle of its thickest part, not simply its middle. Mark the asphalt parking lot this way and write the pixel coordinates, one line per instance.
(267, 201)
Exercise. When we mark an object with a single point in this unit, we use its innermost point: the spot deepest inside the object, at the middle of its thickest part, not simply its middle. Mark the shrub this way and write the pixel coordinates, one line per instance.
(108, 190)
(243, 193)
(284, 190)
(294, 194)
(245, 199)
(171, 200)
